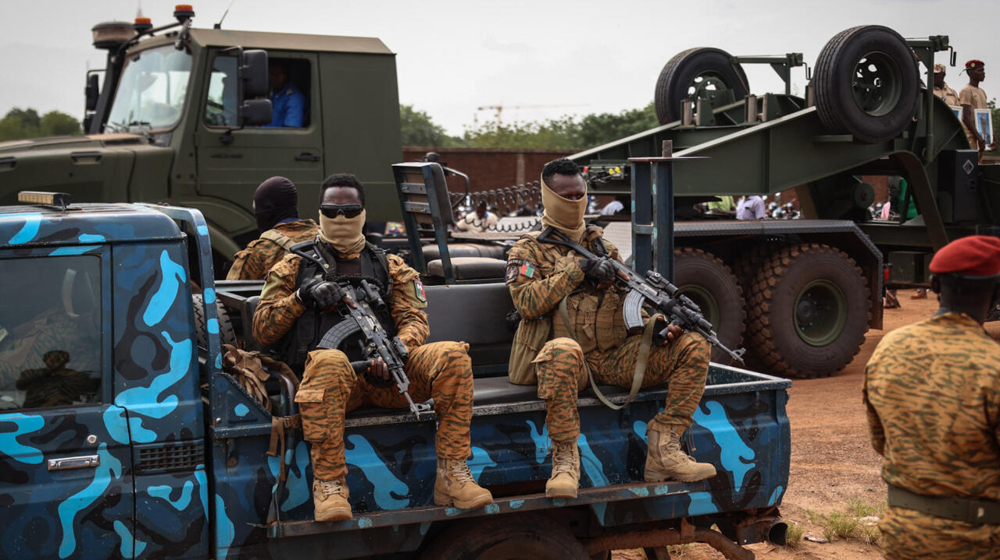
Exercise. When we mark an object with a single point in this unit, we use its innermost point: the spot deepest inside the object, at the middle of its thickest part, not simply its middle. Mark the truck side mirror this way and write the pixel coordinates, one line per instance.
(92, 91)
(254, 72)
(255, 112)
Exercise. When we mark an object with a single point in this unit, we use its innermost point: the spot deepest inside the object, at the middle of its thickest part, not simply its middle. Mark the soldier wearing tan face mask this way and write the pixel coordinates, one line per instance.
(299, 300)
(572, 321)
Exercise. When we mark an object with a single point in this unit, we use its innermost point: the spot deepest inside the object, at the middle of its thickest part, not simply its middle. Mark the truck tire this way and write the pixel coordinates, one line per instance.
(704, 70)
(528, 536)
(866, 83)
(227, 335)
(808, 311)
(711, 284)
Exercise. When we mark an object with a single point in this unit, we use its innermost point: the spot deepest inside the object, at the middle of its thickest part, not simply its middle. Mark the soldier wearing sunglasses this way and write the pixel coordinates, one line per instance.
(298, 305)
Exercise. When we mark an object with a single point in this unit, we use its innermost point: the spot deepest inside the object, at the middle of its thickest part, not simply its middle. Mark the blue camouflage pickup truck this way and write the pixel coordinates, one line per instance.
(121, 436)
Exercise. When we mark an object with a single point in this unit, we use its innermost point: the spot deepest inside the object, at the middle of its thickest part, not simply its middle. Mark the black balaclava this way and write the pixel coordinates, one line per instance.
(276, 199)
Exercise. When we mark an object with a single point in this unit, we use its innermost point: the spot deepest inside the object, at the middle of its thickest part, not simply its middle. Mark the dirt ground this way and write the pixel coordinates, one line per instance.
(832, 458)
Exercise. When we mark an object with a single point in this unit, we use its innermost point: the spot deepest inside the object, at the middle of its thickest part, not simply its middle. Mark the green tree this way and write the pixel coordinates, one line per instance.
(564, 133)
(418, 129)
(55, 123)
(20, 123)
(598, 129)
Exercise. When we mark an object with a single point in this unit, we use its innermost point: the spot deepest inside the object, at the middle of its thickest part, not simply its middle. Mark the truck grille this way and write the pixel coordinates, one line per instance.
(169, 457)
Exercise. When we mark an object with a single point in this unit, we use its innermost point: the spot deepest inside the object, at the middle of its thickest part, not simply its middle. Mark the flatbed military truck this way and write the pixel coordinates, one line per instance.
(801, 294)
(176, 120)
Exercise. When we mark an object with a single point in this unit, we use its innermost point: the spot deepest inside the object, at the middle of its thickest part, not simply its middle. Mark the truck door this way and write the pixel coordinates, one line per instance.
(65, 459)
(232, 163)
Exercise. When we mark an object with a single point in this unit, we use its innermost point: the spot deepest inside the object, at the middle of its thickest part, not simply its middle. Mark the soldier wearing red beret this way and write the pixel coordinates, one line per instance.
(932, 392)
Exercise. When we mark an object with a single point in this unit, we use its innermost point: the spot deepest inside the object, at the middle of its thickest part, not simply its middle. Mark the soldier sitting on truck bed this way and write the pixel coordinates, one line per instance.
(572, 321)
(292, 309)
(275, 205)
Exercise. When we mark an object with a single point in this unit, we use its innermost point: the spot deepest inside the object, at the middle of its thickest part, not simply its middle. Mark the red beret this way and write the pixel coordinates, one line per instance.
(974, 63)
(975, 256)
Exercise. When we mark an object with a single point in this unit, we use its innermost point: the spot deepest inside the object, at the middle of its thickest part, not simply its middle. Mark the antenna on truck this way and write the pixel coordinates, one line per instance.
(224, 14)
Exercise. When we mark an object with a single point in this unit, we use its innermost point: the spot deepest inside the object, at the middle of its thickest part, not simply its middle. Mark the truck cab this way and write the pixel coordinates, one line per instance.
(126, 435)
(166, 126)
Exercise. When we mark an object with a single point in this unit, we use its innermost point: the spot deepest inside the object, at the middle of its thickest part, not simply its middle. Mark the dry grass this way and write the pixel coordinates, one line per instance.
(793, 538)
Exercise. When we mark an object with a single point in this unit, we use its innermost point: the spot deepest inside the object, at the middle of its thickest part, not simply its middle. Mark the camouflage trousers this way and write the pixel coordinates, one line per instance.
(330, 389)
(559, 368)
(908, 534)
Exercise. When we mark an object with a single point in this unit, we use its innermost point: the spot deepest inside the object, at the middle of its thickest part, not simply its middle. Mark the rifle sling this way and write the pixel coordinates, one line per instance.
(642, 359)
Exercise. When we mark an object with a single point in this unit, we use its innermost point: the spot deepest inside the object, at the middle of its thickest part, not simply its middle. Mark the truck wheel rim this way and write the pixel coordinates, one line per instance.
(703, 299)
(877, 84)
(820, 312)
(708, 85)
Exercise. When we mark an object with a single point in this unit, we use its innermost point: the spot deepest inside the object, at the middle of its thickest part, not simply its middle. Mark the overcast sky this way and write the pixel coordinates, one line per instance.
(454, 56)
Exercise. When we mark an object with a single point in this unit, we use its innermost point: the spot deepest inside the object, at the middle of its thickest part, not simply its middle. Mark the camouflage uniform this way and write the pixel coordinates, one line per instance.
(264, 252)
(932, 392)
(330, 388)
(540, 275)
(55, 385)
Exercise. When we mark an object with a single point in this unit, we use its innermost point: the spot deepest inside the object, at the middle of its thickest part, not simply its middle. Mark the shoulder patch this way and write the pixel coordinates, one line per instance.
(513, 266)
(418, 289)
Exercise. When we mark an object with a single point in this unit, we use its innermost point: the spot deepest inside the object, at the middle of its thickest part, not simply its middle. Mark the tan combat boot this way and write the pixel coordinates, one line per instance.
(565, 470)
(330, 500)
(666, 461)
(455, 485)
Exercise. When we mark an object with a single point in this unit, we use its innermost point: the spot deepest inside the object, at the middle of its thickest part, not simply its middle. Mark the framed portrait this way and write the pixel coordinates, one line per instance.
(984, 124)
(957, 109)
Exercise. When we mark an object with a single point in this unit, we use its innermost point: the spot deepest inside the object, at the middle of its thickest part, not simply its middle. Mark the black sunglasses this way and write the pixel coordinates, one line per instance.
(346, 210)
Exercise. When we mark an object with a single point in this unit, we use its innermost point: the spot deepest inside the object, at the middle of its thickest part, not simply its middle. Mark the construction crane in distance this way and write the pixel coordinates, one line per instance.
(500, 108)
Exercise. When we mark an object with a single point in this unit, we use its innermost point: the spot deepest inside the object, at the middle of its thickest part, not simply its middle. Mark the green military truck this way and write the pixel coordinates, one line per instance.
(175, 121)
(801, 294)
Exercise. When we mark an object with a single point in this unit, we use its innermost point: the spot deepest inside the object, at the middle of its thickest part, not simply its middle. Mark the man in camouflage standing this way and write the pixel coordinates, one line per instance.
(932, 391)
(942, 90)
(275, 205)
(572, 323)
(298, 305)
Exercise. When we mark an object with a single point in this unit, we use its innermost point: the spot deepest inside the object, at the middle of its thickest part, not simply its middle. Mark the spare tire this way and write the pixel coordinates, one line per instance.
(700, 72)
(227, 334)
(867, 84)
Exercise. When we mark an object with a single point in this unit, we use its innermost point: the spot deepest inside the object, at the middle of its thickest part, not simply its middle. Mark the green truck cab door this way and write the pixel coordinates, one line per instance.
(232, 162)
(66, 477)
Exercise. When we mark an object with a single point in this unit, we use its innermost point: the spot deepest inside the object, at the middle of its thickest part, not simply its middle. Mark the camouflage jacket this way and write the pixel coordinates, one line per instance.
(932, 392)
(279, 306)
(261, 254)
(540, 275)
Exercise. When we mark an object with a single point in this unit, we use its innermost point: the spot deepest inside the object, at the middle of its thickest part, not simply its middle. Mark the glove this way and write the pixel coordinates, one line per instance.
(599, 270)
(317, 293)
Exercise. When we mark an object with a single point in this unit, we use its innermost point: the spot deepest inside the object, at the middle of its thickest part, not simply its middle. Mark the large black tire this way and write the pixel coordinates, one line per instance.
(808, 311)
(710, 283)
(226, 332)
(867, 83)
(527, 537)
(686, 70)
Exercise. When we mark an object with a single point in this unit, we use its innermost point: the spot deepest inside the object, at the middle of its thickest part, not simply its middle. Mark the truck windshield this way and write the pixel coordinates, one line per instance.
(151, 91)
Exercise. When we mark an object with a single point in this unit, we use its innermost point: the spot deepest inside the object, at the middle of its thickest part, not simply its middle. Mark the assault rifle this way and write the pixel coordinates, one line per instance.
(653, 289)
(373, 341)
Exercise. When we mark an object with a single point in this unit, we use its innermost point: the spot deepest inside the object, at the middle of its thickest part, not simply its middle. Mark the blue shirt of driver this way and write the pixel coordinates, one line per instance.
(287, 108)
